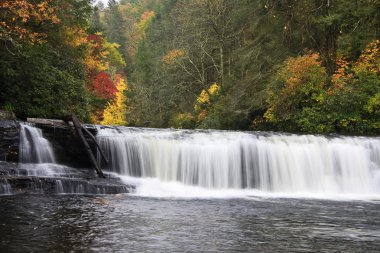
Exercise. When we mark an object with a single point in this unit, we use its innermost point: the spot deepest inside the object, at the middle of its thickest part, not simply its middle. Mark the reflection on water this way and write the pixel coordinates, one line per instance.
(121, 223)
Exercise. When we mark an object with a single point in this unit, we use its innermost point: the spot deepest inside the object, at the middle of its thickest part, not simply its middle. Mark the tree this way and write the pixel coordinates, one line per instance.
(298, 86)
(115, 112)
(20, 20)
(115, 25)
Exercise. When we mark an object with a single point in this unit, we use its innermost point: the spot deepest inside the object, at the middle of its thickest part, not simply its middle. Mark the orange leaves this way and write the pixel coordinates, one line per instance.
(147, 15)
(370, 58)
(145, 20)
(300, 84)
(74, 36)
(297, 69)
(339, 78)
(172, 55)
(95, 56)
(369, 61)
(15, 15)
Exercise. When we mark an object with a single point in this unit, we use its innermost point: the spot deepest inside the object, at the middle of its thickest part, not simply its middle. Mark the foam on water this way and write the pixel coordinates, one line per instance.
(154, 188)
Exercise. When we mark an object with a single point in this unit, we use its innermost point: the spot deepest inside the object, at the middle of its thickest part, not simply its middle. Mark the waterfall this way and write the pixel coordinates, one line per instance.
(34, 148)
(243, 160)
(5, 187)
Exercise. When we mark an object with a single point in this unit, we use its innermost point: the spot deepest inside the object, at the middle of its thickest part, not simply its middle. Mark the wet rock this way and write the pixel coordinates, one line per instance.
(16, 179)
(9, 140)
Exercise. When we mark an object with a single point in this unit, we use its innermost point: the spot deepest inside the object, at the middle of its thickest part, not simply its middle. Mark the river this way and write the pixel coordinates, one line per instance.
(127, 223)
(204, 191)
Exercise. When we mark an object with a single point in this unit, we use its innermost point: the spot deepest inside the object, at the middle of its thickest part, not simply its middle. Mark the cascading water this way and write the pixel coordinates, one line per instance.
(39, 169)
(5, 187)
(34, 148)
(237, 160)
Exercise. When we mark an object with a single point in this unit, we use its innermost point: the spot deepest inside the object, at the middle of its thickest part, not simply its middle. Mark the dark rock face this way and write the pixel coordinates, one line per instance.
(9, 140)
(67, 147)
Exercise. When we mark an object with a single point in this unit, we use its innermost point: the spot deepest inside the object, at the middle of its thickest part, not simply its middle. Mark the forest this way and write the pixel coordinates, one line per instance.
(300, 66)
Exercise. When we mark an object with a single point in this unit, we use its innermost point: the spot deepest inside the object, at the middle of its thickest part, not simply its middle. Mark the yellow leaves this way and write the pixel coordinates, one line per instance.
(269, 115)
(74, 36)
(115, 112)
(182, 120)
(145, 20)
(204, 100)
(373, 105)
(95, 65)
(172, 55)
(112, 55)
(214, 88)
(204, 97)
(102, 55)
(370, 58)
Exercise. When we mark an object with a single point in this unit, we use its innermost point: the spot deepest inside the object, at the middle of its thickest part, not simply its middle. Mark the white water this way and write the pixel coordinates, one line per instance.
(231, 164)
(5, 187)
(34, 148)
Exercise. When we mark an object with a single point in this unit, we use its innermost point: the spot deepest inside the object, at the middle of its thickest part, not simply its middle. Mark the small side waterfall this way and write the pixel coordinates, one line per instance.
(34, 148)
(237, 160)
(38, 171)
(5, 187)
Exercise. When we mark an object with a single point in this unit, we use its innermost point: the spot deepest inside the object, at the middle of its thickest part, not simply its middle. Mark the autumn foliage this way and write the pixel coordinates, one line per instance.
(17, 18)
(103, 86)
(170, 57)
(301, 81)
(303, 99)
(115, 112)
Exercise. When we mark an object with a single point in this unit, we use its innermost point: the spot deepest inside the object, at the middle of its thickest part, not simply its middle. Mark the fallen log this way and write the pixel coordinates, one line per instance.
(48, 122)
(96, 143)
(78, 127)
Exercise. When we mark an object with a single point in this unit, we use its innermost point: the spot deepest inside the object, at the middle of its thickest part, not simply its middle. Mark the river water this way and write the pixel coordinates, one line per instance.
(127, 223)
(204, 191)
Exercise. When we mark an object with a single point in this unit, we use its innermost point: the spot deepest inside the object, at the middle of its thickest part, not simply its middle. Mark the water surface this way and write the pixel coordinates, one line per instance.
(124, 223)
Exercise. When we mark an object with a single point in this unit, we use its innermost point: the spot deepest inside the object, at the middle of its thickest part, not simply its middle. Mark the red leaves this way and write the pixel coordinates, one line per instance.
(96, 39)
(103, 86)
